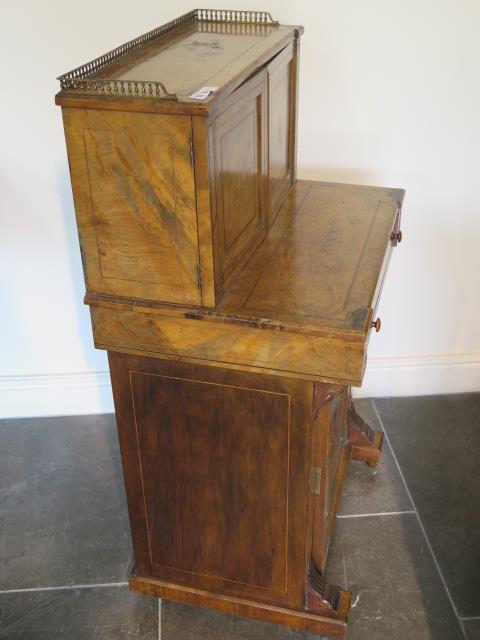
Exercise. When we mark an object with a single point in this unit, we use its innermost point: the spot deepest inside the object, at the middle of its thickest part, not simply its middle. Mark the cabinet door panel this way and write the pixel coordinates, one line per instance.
(206, 473)
(281, 97)
(240, 137)
(216, 467)
(134, 193)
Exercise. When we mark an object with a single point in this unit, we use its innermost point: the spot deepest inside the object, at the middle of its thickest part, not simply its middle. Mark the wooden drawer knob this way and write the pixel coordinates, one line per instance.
(396, 237)
(376, 324)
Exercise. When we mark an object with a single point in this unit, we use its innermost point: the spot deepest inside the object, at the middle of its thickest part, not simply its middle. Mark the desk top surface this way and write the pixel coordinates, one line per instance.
(321, 265)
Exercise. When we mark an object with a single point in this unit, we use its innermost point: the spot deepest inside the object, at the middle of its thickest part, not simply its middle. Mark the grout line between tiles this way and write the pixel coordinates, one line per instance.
(159, 619)
(379, 513)
(66, 587)
(468, 618)
(435, 561)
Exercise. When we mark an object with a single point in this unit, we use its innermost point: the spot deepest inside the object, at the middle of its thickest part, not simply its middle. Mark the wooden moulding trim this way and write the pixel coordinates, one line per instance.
(236, 606)
(162, 355)
(142, 105)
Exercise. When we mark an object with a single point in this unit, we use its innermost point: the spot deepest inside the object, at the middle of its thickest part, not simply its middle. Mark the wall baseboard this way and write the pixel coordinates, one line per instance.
(87, 393)
(421, 375)
(55, 394)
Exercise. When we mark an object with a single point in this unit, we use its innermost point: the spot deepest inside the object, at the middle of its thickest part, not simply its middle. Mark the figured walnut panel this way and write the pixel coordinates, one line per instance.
(134, 194)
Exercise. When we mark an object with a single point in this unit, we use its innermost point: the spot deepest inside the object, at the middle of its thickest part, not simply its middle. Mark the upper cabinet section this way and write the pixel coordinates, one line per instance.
(171, 201)
(203, 48)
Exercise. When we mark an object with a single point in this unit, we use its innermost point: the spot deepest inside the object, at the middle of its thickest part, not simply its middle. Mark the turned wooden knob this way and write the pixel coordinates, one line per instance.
(376, 324)
(396, 236)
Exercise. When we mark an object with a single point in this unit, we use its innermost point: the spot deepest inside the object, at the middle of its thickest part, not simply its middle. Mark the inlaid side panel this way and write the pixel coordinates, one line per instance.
(134, 194)
(216, 469)
(281, 97)
(215, 473)
(240, 134)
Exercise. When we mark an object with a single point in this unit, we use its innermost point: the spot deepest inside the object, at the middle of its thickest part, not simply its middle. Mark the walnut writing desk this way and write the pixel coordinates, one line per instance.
(235, 304)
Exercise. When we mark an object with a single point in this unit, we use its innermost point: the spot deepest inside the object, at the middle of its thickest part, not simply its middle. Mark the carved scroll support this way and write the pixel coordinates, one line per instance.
(324, 598)
(366, 443)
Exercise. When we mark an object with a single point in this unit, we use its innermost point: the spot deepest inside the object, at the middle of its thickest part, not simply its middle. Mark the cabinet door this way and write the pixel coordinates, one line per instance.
(330, 457)
(134, 192)
(281, 119)
(239, 150)
(336, 441)
(215, 463)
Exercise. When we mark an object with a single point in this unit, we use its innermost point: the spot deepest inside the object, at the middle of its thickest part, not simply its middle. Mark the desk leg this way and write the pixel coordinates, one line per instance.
(366, 443)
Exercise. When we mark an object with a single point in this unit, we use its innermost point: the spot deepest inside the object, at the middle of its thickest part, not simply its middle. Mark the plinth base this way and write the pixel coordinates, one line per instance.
(306, 620)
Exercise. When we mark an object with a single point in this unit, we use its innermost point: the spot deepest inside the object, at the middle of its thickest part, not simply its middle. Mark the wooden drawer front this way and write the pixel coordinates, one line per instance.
(281, 123)
(227, 345)
(134, 194)
(240, 136)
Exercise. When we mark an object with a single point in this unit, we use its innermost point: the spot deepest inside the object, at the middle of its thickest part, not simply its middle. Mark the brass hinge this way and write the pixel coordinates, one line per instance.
(82, 256)
(84, 264)
(199, 277)
(316, 480)
(192, 155)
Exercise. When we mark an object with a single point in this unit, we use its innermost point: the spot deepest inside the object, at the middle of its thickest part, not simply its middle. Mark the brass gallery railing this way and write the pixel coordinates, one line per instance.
(86, 79)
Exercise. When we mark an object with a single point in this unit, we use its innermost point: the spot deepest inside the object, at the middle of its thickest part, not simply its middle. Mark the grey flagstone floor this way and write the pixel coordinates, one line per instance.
(406, 542)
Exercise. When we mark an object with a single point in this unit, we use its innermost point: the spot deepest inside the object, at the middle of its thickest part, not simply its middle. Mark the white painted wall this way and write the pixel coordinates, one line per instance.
(389, 95)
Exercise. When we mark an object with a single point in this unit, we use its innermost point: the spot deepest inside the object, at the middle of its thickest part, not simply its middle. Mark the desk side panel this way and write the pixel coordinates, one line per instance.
(216, 467)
